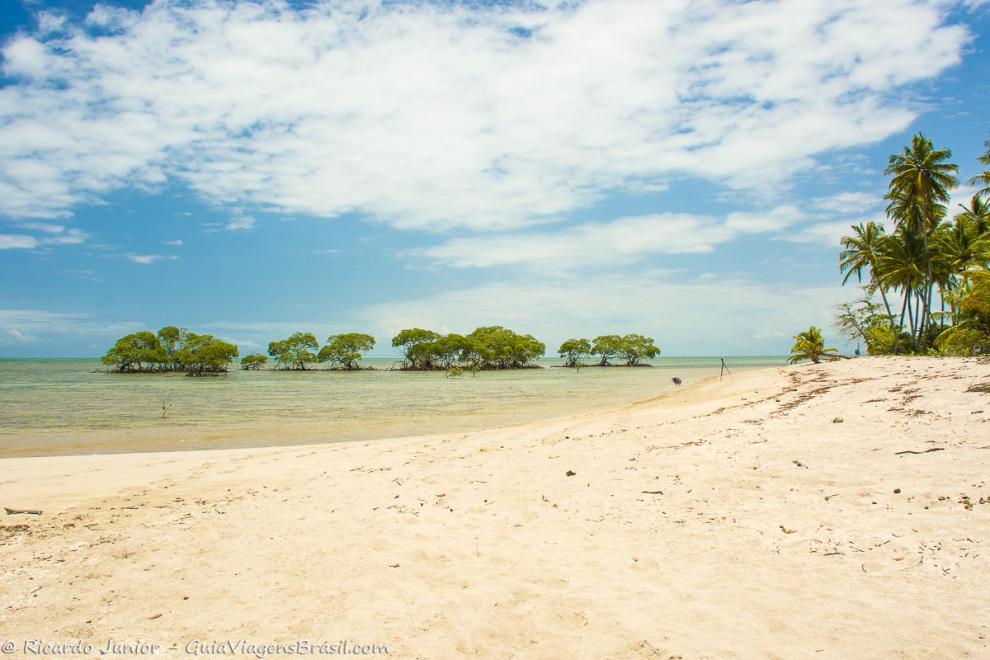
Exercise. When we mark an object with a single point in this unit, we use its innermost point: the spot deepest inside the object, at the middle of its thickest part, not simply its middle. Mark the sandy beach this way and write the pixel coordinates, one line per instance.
(821, 511)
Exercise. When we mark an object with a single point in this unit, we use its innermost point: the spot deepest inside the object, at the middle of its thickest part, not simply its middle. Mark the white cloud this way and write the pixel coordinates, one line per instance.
(435, 116)
(147, 259)
(619, 241)
(243, 223)
(52, 234)
(17, 241)
(851, 202)
(46, 227)
(961, 196)
(28, 326)
(69, 237)
(826, 233)
(175, 243)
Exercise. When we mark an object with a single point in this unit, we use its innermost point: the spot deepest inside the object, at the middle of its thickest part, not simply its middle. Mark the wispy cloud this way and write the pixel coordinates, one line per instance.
(17, 242)
(52, 234)
(619, 241)
(263, 104)
(243, 223)
(148, 259)
(175, 243)
(28, 326)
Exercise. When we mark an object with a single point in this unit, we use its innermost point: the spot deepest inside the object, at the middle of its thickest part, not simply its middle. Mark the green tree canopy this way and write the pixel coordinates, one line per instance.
(411, 341)
(497, 347)
(636, 348)
(171, 339)
(983, 178)
(606, 347)
(253, 361)
(447, 350)
(921, 178)
(206, 354)
(296, 351)
(810, 345)
(573, 350)
(138, 351)
(346, 349)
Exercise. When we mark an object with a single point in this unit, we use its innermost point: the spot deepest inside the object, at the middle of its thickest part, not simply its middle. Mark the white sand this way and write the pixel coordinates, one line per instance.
(768, 530)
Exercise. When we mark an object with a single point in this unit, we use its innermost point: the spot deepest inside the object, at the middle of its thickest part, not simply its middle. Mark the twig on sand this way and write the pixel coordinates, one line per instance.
(653, 492)
(927, 451)
(33, 512)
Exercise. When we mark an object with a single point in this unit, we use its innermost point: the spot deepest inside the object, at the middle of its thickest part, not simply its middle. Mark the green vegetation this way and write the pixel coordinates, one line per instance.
(810, 345)
(632, 348)
(295, 352)
(415, 346)
(172, 349)
(928, 268)
(635, 348)
(489, 347)
(606, 347)
(345, 350)
(254, 361)
(573, 350)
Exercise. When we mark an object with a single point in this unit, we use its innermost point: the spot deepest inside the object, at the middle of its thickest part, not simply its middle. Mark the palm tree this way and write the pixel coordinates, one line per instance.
(810, 345)
(902, 266)
(983, 179)
(977, 215)
(921, 178)
(863, 250)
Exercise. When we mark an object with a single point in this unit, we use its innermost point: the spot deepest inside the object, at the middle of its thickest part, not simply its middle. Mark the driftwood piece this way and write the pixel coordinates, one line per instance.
(927, 451)
(33, 512)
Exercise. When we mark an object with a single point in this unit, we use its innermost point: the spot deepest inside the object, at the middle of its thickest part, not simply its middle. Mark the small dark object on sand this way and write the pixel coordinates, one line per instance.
(676, 380)
(571, 473)
(14, 512)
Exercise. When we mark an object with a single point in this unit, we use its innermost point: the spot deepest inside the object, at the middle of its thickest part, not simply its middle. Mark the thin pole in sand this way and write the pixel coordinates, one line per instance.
(723, 370)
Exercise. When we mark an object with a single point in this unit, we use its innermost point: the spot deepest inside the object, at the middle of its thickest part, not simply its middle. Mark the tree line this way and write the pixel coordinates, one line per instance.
(632, 348)
(932, 271)
(926, 282)
(171, 349)
(487, 347)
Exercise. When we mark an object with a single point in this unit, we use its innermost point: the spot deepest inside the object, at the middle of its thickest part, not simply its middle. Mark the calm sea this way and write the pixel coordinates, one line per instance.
(72, 406)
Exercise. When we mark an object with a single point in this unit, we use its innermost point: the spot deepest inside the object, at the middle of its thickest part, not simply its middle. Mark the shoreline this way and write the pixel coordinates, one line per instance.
(741, 518)
(178, 434)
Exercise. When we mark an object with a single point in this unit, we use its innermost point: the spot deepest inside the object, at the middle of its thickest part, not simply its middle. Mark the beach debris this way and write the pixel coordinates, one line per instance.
(979, 387)
(676, 380)
(926, 451)
(838, 420)
(9, 531)
(570, 473)
(155, 616)
(897, 491)
(653, 492)
(14, 512)
(800, 464)
(787, 531)
(393, 565)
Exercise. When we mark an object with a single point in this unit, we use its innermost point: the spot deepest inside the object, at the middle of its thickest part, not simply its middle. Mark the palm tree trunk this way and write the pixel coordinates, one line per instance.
(910, 313)
(900, 326)
(886, 304)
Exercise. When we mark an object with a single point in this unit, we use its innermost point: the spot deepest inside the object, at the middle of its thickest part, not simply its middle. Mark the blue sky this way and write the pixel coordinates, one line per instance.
(680, 169)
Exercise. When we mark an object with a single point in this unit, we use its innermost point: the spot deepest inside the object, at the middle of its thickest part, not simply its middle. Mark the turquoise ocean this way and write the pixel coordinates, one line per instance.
(52, 406)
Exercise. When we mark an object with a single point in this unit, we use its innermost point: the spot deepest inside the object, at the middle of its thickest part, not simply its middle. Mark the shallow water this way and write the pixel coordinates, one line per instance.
(68, 406)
